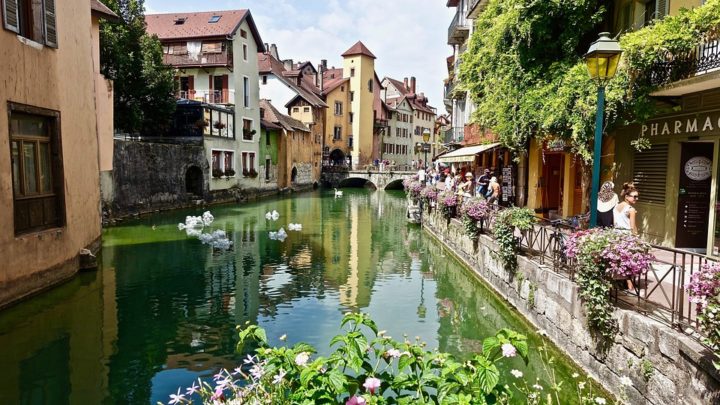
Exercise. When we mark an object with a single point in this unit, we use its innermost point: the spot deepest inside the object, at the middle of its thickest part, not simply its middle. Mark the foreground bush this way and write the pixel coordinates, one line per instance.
(368, 367)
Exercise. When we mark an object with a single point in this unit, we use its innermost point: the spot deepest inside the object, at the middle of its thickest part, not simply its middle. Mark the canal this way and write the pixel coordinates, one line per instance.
(162, 309)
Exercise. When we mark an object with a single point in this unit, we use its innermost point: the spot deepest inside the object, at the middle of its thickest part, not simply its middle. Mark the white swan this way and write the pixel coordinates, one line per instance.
(274, 215)
(295, 227)
(338, 193)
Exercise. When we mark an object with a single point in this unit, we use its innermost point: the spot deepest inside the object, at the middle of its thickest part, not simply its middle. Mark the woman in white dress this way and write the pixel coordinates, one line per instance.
(624, 214)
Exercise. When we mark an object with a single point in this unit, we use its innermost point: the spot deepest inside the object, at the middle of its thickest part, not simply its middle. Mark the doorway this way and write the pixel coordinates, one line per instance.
(693, 209)
(552, 184)
(194, 181)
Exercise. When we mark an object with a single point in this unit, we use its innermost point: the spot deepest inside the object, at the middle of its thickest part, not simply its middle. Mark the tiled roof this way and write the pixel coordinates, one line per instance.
(274, 116)
(333, 84)
(267, 64)
(198, 25)
(358, 49)
(269, 125)
(398, 84)
(98, 8)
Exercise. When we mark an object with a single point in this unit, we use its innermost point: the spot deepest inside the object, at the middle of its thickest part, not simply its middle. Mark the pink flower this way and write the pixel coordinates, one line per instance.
(371, 384)
(218, 395)
(355, 400)
(508, 350)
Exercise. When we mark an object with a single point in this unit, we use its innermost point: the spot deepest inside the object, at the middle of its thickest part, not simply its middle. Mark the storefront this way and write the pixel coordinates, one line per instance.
(477, 158)
(677, 176)
(554, 179)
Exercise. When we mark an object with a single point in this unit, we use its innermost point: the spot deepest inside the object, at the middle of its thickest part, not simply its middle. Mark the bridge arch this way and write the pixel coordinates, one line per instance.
(357, 182)
(396, 184)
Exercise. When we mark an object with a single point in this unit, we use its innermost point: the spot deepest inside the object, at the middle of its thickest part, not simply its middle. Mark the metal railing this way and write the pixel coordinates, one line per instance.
(458, 29)
(658, 294)
(670, 67)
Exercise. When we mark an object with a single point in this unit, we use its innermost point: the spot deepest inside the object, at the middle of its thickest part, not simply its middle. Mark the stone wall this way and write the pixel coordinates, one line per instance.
(665, 366)
(304, 173)
(151, 176)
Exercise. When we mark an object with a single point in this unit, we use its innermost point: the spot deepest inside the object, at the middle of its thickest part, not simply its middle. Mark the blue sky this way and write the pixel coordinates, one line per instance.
(409, 37)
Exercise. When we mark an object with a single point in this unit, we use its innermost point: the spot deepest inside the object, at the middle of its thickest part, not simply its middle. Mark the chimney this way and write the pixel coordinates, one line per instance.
(406, 84)
(267, 48)
(323, 63)
(412, 84)
(274, 51)
(319, 77)
(422, 97)
(288, 64)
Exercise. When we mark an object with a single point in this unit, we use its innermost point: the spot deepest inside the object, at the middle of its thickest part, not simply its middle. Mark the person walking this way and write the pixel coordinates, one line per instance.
(624, 214)
(483, 182)
(465, 188)
(607, 200)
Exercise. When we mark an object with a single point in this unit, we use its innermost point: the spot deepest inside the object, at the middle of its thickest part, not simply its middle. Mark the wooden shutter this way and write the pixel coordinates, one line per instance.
(51, 39)
(650, 173)
(11, 15)
(662, 9)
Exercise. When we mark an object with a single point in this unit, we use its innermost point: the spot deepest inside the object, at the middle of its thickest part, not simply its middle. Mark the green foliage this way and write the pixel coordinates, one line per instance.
(143, 86)
(504, 227)
(531, 295)
(647, 369)
(523, 68)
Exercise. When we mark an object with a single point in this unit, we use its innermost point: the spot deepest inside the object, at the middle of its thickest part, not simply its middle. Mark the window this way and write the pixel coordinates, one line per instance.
(351, 117)
(267, 137)
(264, 79)
(180, 21)
(37, 171)
(352, 72)
(248, 132)
(243, 33)
(338, 108)
(214, 19)
(370, 85)
(248, 163)
(212, 47)
(296, 109)
(352, 95)
(246, 91)
(267, 169)
(31, 19)
(245, 52)
(337, 133)
(306, 109)
(650, 173)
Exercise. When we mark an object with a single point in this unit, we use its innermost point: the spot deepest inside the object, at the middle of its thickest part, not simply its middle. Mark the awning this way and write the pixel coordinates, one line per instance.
(466, 154)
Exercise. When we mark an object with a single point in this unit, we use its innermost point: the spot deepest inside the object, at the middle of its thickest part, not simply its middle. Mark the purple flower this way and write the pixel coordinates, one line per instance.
(508, 350)
(371, 384)
(218, 395)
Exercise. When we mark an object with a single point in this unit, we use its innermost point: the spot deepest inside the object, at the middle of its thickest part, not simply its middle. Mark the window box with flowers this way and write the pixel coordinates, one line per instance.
(230, 173)
(217, 173)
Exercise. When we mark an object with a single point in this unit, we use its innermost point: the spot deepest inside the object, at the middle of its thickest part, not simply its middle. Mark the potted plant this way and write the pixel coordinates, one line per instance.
(246, 173)
(218, 125)
(248, 132)
(230, 172)
(201, 124)
(217, 173)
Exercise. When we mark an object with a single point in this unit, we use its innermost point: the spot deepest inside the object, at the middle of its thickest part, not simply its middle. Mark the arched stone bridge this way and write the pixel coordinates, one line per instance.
(386, 180)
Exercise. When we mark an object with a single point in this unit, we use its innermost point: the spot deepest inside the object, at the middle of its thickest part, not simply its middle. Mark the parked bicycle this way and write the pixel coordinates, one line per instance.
(557, 238)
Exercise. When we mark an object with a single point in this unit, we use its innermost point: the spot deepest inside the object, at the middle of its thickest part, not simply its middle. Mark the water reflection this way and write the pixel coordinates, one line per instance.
(163, 309)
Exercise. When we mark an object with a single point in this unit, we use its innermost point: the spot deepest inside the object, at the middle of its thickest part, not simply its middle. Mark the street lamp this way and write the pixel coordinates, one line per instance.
(426, 145)
(602, 61)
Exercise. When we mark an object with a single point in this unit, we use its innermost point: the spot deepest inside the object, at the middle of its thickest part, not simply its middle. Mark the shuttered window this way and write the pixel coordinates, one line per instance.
(34, 20)
(650, 173)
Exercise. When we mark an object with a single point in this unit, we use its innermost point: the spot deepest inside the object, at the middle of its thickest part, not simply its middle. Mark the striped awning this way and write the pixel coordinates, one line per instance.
(466, 154)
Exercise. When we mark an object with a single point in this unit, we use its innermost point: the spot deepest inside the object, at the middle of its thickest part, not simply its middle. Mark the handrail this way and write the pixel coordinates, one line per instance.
(671, 67)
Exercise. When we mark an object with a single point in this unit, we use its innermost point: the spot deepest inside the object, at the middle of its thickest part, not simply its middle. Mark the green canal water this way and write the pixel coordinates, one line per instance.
(162, 309)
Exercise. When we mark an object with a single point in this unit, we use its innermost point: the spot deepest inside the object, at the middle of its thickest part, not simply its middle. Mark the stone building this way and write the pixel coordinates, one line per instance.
(51, 141)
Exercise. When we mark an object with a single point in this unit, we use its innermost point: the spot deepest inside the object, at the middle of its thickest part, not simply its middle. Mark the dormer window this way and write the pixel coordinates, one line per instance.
(180, 21)
(214, 19)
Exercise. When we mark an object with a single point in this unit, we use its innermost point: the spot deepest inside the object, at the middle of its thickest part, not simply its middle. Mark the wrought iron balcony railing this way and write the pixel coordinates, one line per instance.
(455, 134)
(459, 29)
(669, 68)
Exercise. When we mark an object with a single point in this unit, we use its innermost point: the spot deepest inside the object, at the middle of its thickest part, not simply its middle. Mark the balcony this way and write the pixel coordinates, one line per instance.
(459, 29)
(207, 96)
(223, 58)
(476, 7)
(455, 134)
(381, 123)
(689, 72)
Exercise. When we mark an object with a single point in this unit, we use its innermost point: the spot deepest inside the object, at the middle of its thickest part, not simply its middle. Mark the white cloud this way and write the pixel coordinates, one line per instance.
(409, 37)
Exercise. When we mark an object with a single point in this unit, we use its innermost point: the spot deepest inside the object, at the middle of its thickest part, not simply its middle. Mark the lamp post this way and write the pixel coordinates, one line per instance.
(426, 145)
(602, 61)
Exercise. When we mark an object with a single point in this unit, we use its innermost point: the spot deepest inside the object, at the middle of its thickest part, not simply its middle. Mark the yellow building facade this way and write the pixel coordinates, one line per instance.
(359, 68)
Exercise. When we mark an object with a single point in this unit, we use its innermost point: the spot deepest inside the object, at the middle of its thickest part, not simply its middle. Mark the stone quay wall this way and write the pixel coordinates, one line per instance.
(665, 366)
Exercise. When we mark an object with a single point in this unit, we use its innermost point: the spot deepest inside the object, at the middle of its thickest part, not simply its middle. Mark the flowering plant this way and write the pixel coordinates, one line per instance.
(704, 290)
(474, 210)
(448, 202)
(429, 193)
(506, 222)
(366, 366)
(604, 255)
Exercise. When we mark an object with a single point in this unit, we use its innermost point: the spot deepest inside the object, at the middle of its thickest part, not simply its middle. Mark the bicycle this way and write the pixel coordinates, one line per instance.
(557, 238)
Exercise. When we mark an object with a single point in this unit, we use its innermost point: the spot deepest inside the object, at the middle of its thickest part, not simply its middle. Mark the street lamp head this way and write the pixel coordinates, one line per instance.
(602, 58)
(426, 135)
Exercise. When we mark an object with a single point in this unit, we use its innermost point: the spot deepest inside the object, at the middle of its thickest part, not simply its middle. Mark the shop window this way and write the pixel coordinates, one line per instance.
(650, 173)
(31, 19)
(37, 172)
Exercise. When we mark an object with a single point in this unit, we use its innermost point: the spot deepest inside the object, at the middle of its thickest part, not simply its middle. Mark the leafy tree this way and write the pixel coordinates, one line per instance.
(143, 85)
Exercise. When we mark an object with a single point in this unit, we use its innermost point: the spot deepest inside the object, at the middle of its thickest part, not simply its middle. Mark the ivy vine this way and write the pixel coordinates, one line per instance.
(504, 232)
